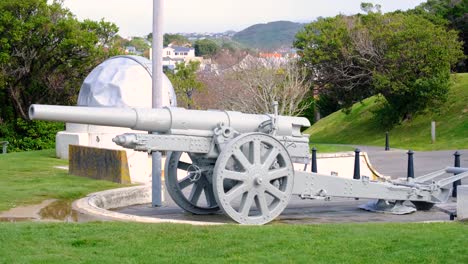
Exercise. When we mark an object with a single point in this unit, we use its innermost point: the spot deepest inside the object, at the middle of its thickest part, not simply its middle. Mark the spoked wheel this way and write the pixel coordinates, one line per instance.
(253, 179)
(187, 180)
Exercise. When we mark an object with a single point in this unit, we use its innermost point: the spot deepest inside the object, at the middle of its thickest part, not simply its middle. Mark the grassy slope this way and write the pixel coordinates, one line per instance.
(358, 127)
(30, 177)
(166, 243)
(330, 148)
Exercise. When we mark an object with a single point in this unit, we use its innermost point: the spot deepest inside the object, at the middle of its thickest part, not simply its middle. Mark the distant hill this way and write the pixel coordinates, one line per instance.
(270, 36)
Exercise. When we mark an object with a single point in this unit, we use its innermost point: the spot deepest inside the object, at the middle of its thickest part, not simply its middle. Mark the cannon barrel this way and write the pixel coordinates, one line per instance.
(164, 120)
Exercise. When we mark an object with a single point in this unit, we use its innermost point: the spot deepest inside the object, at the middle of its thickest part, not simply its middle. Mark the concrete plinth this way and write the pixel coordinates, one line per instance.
(462, 202)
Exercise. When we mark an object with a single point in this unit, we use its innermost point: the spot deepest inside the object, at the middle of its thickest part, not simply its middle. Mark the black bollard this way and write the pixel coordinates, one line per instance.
(456, 164)
(387, 144)
(410, 173)
(357, 168)
(314, 160)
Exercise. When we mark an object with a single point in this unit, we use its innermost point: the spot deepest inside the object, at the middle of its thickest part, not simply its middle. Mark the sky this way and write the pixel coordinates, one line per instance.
(134, 18)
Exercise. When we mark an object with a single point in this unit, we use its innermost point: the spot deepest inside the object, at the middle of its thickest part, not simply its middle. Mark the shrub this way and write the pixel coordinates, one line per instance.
(30, 135)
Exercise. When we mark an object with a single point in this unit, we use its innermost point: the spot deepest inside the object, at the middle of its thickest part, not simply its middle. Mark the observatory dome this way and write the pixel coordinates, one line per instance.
(123, 81)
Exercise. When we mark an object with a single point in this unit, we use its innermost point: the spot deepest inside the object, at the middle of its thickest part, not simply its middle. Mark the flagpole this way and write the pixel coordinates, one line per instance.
(157, 95)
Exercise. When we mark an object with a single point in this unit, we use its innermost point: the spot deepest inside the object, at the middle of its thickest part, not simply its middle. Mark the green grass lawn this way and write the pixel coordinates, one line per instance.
(30, 177)
(359, 127)
(330, 148)
(171, 243)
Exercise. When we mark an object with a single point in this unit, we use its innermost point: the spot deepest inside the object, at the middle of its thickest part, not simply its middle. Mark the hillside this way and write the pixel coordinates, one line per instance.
(358, 127)
(270, 36)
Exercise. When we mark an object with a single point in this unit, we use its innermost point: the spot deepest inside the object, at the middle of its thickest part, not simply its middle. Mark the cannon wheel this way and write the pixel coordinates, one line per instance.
(186, 190)
(262, 172)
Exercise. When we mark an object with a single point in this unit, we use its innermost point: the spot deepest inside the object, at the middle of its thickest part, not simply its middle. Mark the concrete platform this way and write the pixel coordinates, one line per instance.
(135, 206)
(299, 211)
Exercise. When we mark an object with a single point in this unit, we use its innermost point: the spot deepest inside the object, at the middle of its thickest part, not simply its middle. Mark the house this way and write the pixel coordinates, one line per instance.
(176, 54)
(132, 50)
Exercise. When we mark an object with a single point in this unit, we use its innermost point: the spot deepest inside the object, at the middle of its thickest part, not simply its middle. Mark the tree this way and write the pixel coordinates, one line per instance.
(185, 82)
(45, 53)
(371, 8)
(252, 85)
(404, 57)
(456, 13)
(175, 39)
(139, 43)
(206, 48)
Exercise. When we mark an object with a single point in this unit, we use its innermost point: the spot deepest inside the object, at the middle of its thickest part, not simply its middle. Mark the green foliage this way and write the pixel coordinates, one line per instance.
(326, 105)
(371, 8)
(139, 43)
(206, 48)
(30, 177)
(360, 127)
(456, 13)
(308, 105)
(270, 36)
(34, 135)
(114, 242)
(175, 39)
(185, 82)
(45, 53)
(404, 57)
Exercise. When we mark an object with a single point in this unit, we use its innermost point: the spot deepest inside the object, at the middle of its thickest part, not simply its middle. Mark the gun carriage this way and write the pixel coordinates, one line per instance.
(241, 163)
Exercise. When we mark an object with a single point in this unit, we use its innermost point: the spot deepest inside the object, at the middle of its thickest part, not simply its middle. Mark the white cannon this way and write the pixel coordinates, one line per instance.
(242, 163)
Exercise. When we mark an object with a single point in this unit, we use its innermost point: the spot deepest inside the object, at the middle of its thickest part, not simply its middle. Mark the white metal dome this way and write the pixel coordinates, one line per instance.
(123, 81)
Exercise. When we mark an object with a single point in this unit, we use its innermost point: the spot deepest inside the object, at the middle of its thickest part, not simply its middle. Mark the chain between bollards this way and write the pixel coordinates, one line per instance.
(458, 165)
(410, 173)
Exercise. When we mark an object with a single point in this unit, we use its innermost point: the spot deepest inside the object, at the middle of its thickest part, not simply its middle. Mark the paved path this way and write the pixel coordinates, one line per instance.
(394, 163)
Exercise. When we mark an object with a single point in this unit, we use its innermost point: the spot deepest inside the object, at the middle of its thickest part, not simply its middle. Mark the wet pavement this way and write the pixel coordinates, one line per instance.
(51, 210)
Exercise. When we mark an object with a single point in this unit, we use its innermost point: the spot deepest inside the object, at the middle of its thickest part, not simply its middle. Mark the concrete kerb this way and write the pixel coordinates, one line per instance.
(98, 205)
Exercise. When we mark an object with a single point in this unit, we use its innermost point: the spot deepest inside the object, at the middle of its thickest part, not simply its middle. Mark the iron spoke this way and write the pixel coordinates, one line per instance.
(246, 204)
(271, 158)
(274, 191)
(210, 199)
(278, 173)
(183, 165)
(255, 152)
(234, 175)
(196, 192)
(262, 204)
(185, 182)
(235, 192)
(242, 159)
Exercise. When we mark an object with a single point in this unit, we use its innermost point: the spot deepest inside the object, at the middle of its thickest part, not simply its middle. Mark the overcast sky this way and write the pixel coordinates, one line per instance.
(134, 18)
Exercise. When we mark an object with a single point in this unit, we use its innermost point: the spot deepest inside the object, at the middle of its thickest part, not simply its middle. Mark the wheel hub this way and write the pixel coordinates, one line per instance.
(258, 180)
